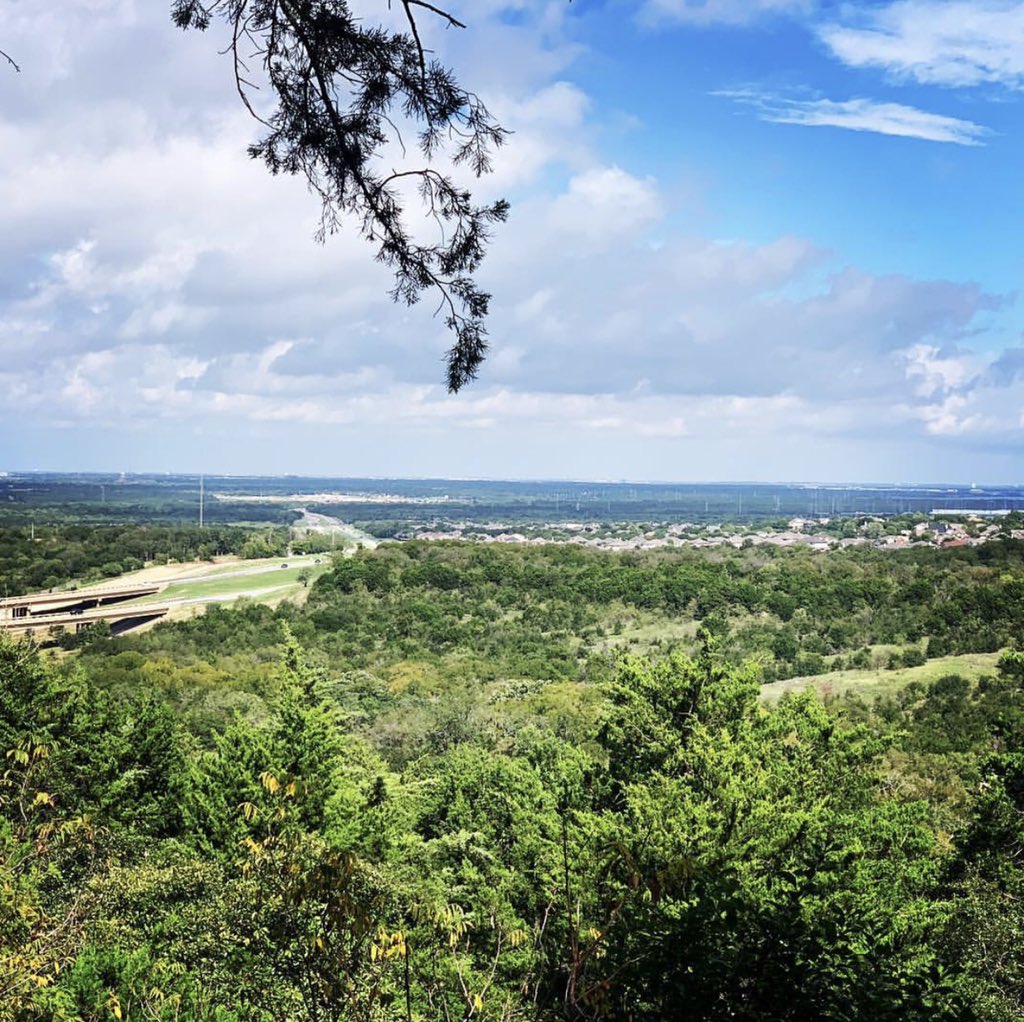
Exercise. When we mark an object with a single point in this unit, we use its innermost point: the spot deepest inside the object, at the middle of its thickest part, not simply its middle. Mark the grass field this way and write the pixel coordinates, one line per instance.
(874, 684)
(264, 581)
(643, 630)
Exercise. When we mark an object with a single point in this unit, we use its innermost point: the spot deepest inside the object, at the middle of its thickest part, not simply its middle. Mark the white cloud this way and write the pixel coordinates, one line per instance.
(691, 338)
(605, 203)
(959, 43)
(548, 125)
(950, 417)
(863, 115)
(707, 267)
(937, 373)
(156, 282)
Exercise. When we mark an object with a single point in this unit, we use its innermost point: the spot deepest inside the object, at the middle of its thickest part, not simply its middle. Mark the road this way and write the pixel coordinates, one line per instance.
(188, 586)
(305, 560)
(325, 524)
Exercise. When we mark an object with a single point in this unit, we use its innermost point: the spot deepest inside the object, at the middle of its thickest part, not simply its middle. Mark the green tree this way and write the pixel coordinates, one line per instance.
(744, 864)
(1011, 665)
(984, 935)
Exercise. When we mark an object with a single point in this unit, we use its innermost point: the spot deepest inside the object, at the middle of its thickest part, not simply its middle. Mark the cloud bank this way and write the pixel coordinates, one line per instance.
(158, 285)
(959, 43)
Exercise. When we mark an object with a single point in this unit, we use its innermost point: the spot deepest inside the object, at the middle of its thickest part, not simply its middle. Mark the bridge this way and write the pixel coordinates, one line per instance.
(72, 600)
(72, 609)
(120, 619)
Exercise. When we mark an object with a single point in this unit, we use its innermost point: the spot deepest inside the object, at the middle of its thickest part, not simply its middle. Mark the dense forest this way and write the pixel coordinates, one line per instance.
(480, 782)
(46, 557)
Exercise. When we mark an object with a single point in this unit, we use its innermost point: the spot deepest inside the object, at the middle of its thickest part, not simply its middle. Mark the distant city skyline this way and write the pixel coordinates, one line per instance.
(750, 240)
(937, 486)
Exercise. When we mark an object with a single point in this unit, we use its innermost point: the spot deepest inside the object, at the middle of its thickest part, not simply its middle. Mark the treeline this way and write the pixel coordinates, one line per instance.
(434, 642)
(441, 790)
(685, 853)
(46, 557)
(797, 607)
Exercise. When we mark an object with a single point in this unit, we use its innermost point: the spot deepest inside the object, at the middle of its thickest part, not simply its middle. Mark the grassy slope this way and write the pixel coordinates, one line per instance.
(239, 585)
(262, 580)
(873, 684)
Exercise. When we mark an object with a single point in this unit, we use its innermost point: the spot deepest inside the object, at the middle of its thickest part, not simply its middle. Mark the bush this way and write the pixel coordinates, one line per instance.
(913, 657)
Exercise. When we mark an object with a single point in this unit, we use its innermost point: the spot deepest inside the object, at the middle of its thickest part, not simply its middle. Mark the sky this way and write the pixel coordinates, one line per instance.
(749, 240)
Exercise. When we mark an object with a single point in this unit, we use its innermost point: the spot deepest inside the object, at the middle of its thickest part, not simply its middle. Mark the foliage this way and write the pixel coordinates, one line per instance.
(49, 557)
(339, 85)
(451, 787)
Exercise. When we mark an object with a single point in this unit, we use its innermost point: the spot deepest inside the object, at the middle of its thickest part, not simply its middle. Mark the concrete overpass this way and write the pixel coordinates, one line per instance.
(120, 619)
(37, 604)
(72, 609)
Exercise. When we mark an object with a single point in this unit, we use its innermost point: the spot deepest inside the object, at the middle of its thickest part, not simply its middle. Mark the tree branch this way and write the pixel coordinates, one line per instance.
(453, 22)
(337, 83)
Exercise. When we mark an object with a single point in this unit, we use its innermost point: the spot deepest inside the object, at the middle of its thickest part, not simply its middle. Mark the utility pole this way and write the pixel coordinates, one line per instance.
(201, 501)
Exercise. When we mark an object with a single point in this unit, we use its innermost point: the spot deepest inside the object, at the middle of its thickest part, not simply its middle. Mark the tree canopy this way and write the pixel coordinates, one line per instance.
(454, 784)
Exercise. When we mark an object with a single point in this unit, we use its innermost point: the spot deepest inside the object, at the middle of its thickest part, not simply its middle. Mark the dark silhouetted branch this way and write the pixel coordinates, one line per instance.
(337, 86)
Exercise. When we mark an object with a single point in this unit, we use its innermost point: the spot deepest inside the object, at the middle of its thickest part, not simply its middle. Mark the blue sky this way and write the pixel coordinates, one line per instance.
(750, 239)
(705, 93)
